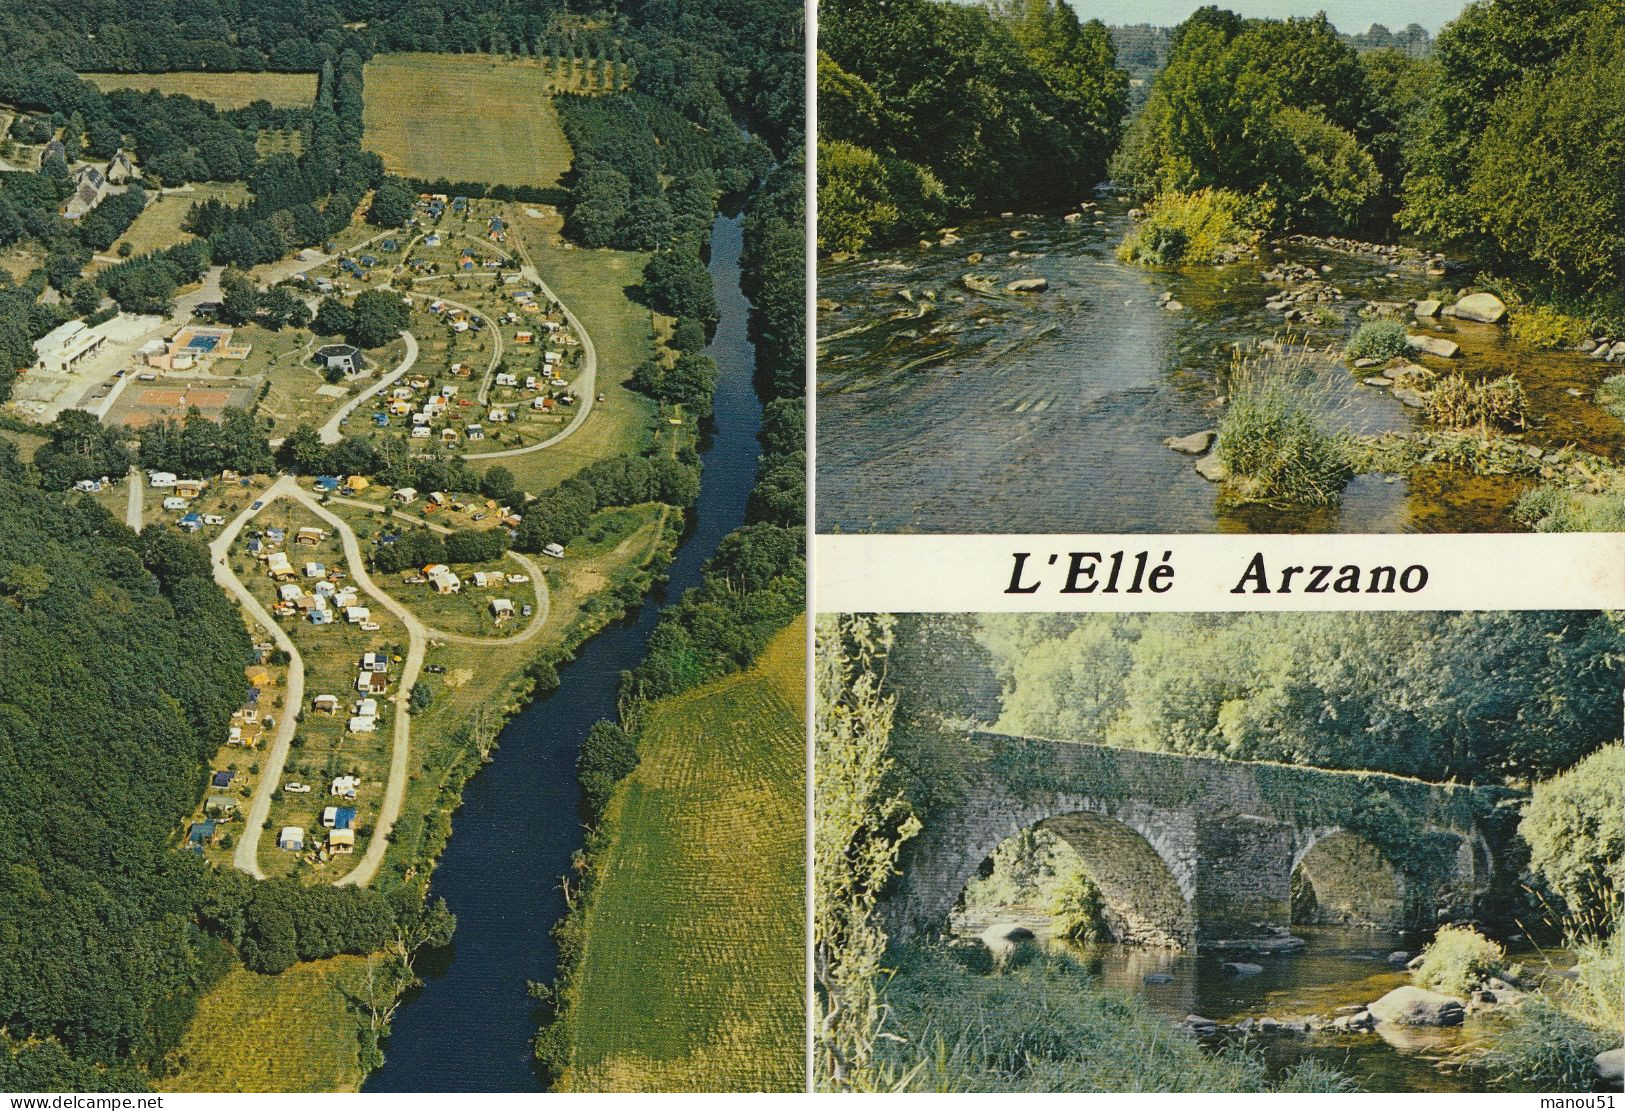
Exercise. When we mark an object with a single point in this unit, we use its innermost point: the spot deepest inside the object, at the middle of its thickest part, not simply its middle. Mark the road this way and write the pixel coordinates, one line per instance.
(246, 858)
(331, 432)
(134, 499)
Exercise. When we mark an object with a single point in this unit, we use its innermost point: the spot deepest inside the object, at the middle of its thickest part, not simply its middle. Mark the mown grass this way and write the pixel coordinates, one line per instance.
(466, 117)
(692, 978)
(290, 1032)
(223, 90)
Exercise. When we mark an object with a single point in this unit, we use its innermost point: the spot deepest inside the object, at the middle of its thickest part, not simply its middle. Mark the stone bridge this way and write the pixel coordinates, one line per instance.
(1189, 851)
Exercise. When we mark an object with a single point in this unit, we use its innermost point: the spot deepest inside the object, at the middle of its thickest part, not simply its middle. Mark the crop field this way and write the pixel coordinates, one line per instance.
(692, 977)
(294, 1032)
(464, 117)
(223, 90)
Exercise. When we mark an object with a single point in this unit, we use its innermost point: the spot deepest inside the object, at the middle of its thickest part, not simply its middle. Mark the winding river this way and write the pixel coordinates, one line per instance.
(470, 1027)
(942, 409)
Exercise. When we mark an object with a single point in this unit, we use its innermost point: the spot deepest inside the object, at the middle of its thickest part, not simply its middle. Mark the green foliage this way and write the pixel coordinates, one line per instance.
(80, 447)
(1547, 328)
(865, 198)
(1539, 1047)
(1576, 833)
(1018, 103)
(677, 283)
(608, 755)
(1553, 508)
(1458, 402)
(1378, 339)
(1611, 395)
(1529, 693)
(1458, 960)
(391, 203)
(200, 446)
(378, 317)
(1193, 228)
(1277, 109)
(1275, 441)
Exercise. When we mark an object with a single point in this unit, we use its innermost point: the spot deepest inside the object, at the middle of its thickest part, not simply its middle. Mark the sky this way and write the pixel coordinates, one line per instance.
(1350, 16)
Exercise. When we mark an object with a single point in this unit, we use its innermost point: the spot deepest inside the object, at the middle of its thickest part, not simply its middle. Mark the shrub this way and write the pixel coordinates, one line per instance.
(1611, 395)
(1539, 1047)
(1193, 228)
(1458, 403)
(1379, 339)
(1551, 508)
(1547, 328)
(1274, 440)
(1457, 960)
(1575, 830)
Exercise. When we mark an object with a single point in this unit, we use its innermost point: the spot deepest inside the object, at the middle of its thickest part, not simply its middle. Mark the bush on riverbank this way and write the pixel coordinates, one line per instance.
(1274, 440)
(1188, 229)
(1547, 1042)
(1457, 402)
(1575, 829)
(1457, 960)
(1546, 328)
(1045, 1026)
(1379, 339)
(1611, 395)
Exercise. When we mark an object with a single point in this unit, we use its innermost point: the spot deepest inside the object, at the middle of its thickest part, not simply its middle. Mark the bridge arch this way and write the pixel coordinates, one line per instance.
(1145, 881)
(1340, 878)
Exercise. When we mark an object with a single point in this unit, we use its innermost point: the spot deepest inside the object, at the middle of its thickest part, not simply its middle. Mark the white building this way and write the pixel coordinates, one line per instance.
(64, 347)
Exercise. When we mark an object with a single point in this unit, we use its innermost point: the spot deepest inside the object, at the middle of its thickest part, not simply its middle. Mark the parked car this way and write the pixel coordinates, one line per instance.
(257, 505)
(526, 611)
(435, 669)
(297, 788)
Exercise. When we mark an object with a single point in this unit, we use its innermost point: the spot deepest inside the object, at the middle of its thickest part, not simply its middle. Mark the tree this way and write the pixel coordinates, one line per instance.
(608, 755)
(80, 447)
(379, 317)
(391, 204)
(239, 300)
(333, 318)
(677, 283)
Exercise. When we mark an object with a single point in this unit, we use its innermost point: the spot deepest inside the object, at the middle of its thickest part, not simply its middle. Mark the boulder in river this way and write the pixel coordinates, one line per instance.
(1610, 1065)
(1072, 217)
(1212, 468)
(1411, 397)
(1428, 308)
(1196, 443)
(1003, 939)
(1398, 956)
(1485, 308)
(1173, 306)
(1027, 285)
(1434, 345)
(1414, 1006)
(1241, 968)
(978, 284)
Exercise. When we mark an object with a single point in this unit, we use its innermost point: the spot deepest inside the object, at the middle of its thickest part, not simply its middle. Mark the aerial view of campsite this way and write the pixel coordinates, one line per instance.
(1275, 269)
(402, 587)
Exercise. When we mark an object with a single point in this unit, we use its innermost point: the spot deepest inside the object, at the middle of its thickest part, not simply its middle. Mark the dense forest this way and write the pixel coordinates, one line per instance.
(1498, 139)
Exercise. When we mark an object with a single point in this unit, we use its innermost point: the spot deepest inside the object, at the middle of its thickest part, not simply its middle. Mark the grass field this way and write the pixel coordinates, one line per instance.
(159, 224)
(224, 90)
(465, 117)
(291, 1032)
(692, 977)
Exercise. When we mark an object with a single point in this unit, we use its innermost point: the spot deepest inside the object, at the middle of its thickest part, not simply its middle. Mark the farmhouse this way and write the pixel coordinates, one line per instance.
(90, 187)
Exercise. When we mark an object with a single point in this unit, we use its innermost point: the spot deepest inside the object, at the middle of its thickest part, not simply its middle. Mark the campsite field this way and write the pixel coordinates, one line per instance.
(223, 90)
(464, 117)
(689, 979)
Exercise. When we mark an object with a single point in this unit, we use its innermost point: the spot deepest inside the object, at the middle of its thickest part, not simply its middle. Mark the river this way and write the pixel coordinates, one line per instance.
(1340, 967)
(944, 410)
(469, 1028)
